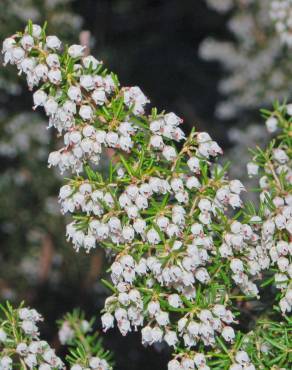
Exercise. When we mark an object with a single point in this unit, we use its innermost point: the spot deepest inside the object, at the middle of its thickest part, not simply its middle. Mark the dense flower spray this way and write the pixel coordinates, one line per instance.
(183, 250)
(22, 347)
(274, 166)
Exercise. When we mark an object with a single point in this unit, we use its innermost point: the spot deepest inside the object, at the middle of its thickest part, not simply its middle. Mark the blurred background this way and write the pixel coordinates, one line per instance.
(213, 62)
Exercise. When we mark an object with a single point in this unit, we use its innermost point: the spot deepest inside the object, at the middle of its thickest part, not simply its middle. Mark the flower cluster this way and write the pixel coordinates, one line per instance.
(281, 14)
(170, 220)
(268, 344)
(22, 348)
(274, 167)
(19, 335)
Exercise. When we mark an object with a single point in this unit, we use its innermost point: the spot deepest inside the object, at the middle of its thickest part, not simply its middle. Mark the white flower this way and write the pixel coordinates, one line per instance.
(27, 65)
(289, 109)
(74, 93)
(66, 333)
(236, 227)
(236, 265)
(153, 236)
(162, 222)
(87, 82)
(205, 205)
(53, 61)
(172, 230)
(153, 308)
(139, 225)
(99, 96)
(55, 76)
(49, 356)
(6, 363)
(280, 156)
(28, 327)
(272, 124)
(205, 218)
(89, 241)
(242, 357)
(202, 275)
(178, 134)
(193, 328)
(174, 300)
(53, 42)
(86, 112)
(235, 201)
(280, 222)
(172, 119)
(194, 164)
(18, 54)
(174, 365)
(134, 97)
(30, 360)
(39, 98)
(177, 244)
(169, 153)
(199, 360)
(203, 137)
(95, 362)
(228, 333)
(24, 313)
(27, 42)
(51, 106)
(193, 182)
(187, 363)
(76, 51)
(155, 126)
(141, 267)
(112, 139)
(236, 186)
(128, 233)
(157, 334)
(3, 335)
(223, 194)
(162, 318)
(107, 321)
(171, 338)
(252, 169)
(125, 143)
(21, 348)
(146, 335)
(156, 141)
(90, 61)
(196, 229)
(177, 184)
(36, 30)
(108, 84)
(76, 367)
(284, 305)
(8, 44)
(283, 264)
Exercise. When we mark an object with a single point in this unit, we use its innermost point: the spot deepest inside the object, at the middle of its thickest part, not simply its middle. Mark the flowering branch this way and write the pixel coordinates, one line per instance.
(22, 348)
(179, 259)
